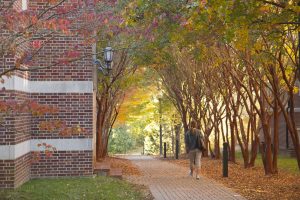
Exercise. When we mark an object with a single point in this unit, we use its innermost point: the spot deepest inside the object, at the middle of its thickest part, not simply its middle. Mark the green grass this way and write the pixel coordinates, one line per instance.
(74, 188)
(284, 162)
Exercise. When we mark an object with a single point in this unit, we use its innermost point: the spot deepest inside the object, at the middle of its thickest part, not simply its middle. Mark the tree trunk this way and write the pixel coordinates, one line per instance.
(276, 134)
(206, 143)
(102, 144)
(227, 136)
(177, 136)
(254, 148)
(216, 144)
(268, 149)
(243, 144)
(254, 140)
(232, 141)
(172, 138)
(98, 137)
(212, 154)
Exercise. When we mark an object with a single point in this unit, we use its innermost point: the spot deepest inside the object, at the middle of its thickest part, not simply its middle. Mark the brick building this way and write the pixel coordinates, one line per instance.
(286, 146)
(285, 141)
(70, 89)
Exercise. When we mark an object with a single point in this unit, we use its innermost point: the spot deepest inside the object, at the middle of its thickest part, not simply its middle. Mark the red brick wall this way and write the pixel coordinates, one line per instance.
(22, 169)
(63, 163)
(75, 109)
(55, 51)
(14, 173)
(8, 61)
(16, 126)
(7, 174)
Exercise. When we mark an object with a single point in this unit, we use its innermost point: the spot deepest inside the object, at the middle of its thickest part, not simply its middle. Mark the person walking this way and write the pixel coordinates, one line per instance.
(194, 146)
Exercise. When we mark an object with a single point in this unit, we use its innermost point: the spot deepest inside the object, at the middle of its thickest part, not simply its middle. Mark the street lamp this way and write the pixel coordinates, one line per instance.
(108, 58)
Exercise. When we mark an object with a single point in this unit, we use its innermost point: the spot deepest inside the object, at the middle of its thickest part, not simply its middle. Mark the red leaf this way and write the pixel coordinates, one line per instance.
(36, 44)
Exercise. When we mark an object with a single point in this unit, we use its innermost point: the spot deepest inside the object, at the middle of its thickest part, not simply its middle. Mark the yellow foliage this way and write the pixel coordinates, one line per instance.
(134, 97)
(264, 9)
(296, 90)
(242, 38)
(258, 45)
(296, 9)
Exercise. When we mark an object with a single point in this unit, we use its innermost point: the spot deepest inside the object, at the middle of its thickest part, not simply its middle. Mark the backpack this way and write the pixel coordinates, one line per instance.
(200, 141)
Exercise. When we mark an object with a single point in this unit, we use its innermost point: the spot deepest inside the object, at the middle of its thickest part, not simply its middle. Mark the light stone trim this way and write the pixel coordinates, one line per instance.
(12, 152)
(20, 84)
(76, 144)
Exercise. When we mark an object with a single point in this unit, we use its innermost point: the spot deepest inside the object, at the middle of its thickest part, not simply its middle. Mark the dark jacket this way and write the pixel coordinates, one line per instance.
(191, 139)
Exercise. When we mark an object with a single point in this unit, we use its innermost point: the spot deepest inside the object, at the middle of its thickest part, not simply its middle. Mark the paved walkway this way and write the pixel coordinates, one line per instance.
(168, 181)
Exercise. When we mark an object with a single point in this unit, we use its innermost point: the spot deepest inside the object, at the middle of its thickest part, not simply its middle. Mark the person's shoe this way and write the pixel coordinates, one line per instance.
(197, 177)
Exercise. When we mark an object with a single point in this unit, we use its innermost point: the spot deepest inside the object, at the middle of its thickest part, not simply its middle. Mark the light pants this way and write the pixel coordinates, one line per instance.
(195, 158)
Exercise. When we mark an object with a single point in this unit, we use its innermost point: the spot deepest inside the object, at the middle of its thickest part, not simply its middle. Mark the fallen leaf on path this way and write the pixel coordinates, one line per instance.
(251, 183)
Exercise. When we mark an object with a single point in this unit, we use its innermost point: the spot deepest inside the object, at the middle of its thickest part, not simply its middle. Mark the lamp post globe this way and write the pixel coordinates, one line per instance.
(108, 56)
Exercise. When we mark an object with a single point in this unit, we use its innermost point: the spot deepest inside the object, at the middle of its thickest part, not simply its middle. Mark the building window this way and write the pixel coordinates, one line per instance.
(24, 4)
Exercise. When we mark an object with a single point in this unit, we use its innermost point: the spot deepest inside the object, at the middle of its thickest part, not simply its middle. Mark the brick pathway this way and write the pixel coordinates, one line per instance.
(169, 181)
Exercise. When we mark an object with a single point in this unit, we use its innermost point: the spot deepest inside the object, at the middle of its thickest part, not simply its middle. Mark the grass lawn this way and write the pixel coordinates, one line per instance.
(75, 188)
(284, 162)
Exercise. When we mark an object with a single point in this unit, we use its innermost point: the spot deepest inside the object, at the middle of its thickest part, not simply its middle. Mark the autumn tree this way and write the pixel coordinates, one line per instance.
(257, 43)
(27, 31)
(29, 28)
(110, 94)
(245, 55)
